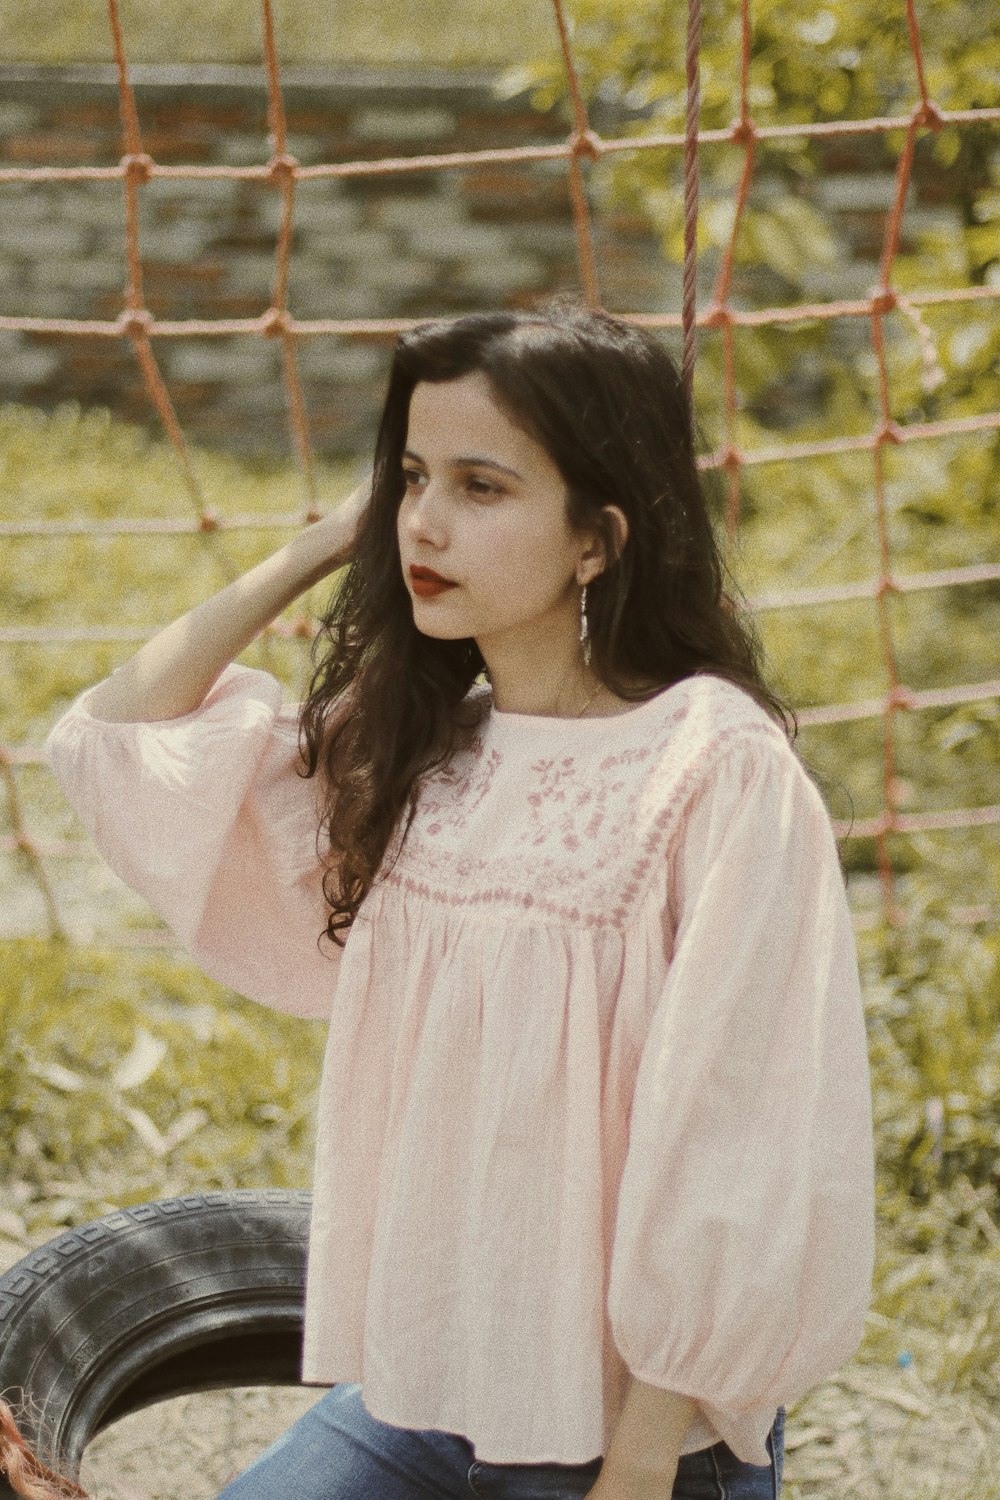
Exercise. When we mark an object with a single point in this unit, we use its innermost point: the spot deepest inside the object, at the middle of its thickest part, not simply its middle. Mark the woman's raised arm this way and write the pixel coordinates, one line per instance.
(171, 674)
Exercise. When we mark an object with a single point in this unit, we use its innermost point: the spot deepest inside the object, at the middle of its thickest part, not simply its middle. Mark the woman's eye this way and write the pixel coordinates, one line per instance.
(481, 488)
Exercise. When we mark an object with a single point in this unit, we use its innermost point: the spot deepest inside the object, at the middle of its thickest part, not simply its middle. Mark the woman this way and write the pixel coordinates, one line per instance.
(594, 1176)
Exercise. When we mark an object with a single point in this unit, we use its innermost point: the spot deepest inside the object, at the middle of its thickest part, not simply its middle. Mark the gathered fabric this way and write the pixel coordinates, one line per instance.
(596, 1098)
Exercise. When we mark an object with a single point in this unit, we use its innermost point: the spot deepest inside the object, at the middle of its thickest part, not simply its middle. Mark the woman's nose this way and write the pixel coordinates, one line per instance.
(424, 514)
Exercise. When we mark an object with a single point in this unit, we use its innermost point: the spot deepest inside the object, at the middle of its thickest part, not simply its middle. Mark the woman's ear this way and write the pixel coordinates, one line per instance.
(608, 543)
(617, 526)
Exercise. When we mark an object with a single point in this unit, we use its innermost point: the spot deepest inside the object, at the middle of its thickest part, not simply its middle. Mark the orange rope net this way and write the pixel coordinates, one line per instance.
(583, 144)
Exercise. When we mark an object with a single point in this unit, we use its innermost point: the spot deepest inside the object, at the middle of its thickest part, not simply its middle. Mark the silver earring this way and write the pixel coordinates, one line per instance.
(584, 627)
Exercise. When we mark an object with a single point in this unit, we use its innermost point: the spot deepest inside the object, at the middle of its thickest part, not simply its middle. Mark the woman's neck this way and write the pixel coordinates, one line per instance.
(547, 677)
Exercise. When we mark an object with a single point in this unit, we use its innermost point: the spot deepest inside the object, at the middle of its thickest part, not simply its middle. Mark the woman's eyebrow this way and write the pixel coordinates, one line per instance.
(470, 460)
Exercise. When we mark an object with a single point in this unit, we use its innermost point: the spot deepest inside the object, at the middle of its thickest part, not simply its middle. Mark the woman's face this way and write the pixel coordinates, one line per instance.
(485, 507)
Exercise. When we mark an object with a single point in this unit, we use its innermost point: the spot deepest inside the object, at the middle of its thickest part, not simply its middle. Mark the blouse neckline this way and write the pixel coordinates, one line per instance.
(550, 727)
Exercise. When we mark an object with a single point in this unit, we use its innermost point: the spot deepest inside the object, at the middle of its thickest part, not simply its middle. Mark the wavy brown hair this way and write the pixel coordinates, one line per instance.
(606, 402)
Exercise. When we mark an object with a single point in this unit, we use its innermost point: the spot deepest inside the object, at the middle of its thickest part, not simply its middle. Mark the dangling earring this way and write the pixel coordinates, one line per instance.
(584, 627)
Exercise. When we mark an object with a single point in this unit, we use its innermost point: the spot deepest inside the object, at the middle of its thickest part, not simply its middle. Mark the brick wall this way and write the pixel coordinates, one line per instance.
(405, 245)
(408, 246)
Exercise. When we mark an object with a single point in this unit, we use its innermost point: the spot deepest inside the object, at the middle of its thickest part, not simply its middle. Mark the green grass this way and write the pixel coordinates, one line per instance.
(75, 464)
(83, 464)
(128, 1076)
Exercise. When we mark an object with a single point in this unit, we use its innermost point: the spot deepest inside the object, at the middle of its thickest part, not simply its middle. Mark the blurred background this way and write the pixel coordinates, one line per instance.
(127, 1075)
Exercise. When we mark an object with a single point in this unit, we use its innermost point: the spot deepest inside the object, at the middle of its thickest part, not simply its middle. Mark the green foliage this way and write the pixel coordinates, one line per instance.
(932, 1000)
(932, 996)
(797, 243)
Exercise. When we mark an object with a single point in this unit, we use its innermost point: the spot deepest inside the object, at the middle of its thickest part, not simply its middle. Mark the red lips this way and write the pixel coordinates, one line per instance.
(426, 583)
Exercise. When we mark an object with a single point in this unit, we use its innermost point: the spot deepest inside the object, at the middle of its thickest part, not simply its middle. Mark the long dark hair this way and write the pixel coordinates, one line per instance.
(606, 402)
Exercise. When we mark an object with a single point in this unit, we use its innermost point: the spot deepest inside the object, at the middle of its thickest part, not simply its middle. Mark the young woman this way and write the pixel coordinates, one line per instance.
(594, 1184)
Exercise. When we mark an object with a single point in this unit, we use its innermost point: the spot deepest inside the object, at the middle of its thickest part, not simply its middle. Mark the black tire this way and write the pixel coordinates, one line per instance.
(185, 1294)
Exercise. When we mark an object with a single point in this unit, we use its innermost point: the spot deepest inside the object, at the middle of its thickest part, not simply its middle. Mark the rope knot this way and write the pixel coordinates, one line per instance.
(135, 322)
(137, 165)
(208, 520)
(717, 315)
(883, 299)
(929, 114)
(901, 697)
(281, 169)
(586, 143)
(274, 322)
(743, 132)
(889, 432)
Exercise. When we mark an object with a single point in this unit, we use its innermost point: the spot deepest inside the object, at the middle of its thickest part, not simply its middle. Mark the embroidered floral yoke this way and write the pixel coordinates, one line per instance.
(596, 1094)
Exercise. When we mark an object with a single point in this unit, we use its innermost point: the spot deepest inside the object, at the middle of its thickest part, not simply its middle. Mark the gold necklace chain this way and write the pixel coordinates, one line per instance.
(580, 712)
(589, 701)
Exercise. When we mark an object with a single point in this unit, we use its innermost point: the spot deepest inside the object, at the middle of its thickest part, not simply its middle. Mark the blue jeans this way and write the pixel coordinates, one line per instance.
(339, 1451)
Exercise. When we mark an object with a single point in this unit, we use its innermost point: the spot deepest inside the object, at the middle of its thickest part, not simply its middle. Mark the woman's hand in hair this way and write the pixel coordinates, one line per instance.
(332, 539)
(172, 673)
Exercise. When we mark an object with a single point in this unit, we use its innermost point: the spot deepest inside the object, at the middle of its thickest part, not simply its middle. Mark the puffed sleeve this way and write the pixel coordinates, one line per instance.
(206, 817)
(745, 1232)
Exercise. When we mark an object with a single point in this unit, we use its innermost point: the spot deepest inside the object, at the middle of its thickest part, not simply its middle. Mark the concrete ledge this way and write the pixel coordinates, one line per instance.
(19, 80)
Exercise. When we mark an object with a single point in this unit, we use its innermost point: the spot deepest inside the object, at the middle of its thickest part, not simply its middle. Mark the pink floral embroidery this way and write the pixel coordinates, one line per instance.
(568, 837)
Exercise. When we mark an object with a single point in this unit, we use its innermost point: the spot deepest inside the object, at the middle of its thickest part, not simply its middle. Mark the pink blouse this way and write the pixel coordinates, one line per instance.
(596, 1095)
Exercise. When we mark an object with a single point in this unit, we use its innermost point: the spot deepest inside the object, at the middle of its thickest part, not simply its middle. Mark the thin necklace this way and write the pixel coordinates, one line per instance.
(589, 701)
(580, 712)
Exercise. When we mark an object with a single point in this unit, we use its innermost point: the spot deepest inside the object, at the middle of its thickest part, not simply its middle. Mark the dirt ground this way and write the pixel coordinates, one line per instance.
(871, 1434)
